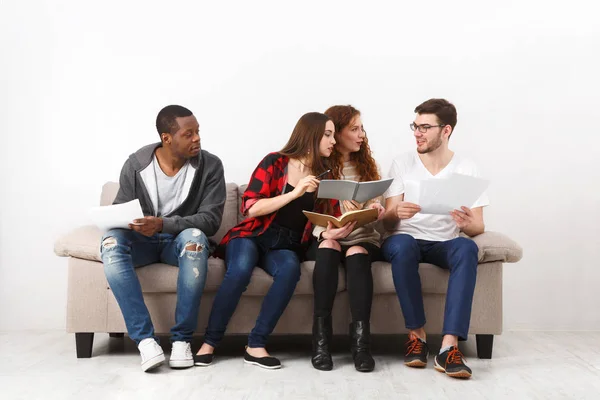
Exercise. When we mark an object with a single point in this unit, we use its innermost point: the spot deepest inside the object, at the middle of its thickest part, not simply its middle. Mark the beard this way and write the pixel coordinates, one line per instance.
(434, 144)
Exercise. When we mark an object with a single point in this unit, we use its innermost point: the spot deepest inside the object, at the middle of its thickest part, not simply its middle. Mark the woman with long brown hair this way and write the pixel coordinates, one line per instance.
(273, 235)
(351, 159)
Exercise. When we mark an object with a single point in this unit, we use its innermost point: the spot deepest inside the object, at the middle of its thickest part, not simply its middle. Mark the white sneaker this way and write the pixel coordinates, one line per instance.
(181, 355)
(152, 354)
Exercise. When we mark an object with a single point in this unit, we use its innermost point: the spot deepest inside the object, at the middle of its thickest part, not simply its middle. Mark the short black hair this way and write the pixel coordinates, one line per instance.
(165, 120)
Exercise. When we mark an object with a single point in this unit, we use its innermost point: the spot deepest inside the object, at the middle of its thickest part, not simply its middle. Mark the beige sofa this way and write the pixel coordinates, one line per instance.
(92, 308)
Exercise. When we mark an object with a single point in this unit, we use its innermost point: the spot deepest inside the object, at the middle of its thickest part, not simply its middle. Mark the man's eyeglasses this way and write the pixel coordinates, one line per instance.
(424, 128)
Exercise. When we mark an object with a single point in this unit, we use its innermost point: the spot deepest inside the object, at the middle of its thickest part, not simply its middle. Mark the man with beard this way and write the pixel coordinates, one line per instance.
(412, 237)
(181, 189)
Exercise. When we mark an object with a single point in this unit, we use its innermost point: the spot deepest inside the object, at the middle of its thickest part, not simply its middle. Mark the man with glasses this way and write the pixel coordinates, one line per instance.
(412, 237)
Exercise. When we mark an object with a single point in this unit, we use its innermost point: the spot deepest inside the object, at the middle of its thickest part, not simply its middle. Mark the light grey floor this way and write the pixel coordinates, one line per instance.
(526, 365)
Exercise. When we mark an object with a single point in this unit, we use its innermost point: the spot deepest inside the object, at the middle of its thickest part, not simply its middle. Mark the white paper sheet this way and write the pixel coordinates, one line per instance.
(116, 216)
(442, 195)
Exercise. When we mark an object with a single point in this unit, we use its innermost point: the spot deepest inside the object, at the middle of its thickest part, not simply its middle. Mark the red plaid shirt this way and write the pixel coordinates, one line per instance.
(268, 180)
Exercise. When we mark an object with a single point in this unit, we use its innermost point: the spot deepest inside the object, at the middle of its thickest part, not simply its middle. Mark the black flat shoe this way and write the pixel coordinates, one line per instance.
(263, 362)
(203, 360)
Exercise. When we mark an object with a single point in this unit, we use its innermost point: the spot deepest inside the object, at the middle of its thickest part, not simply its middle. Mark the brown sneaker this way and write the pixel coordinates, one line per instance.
(416, 352)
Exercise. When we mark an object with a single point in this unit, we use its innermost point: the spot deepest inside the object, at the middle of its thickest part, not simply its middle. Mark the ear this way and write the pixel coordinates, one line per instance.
(447, 131)
(166, 138)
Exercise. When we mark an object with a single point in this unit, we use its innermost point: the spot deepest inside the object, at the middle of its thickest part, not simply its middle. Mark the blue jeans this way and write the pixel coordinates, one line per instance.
(457, 255)
(124, 250)
(275, 251)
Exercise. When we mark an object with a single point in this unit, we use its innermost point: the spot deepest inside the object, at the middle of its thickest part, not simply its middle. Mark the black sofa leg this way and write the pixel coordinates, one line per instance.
(116, 335)
(485, 345)
(83, 344)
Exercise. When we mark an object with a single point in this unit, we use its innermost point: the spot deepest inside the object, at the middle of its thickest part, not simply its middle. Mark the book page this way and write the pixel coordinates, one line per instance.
(336, 189)
(369, 190)
(362, 217)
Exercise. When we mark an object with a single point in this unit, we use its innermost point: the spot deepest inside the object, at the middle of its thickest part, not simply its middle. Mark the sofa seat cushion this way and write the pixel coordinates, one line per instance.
(162, 278)
(84, 242)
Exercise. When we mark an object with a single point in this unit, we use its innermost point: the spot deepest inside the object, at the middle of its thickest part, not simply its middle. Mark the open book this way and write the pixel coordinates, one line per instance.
(352, 190)
(362, 217)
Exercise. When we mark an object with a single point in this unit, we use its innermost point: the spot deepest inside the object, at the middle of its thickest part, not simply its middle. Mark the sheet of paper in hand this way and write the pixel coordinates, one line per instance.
(351, 190)
(442, 195)
(116, 216)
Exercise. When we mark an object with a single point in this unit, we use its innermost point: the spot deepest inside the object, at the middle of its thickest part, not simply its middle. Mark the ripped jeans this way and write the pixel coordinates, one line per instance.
(124, 250)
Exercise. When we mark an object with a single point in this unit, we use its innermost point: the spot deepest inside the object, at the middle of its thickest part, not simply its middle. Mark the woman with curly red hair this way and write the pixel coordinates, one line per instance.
(351, 159)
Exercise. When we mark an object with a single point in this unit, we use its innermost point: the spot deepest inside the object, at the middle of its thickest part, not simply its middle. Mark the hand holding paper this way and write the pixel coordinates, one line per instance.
(463, 217)
(116, 216)
(147, 226)
(443, 195)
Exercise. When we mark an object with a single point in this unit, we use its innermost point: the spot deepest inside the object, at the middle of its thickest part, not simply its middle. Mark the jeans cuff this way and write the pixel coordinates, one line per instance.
(461, 335)
(253, 342)
(415, 326)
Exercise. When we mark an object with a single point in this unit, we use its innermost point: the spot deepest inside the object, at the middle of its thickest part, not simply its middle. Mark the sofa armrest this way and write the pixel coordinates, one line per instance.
(495, 246)
(83, 242)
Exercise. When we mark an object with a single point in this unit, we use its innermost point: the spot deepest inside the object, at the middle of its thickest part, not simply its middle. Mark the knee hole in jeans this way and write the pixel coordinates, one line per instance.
(109, 243)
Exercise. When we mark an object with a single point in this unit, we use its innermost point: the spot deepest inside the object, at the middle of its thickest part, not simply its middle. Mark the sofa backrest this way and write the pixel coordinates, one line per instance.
(241, 190)
(230, 212)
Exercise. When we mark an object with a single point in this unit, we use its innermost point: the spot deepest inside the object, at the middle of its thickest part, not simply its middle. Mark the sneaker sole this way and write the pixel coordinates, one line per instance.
(181, 363)
(261, 365)
(416, 364)
(199, 364)
(153, 363)
(459, 374)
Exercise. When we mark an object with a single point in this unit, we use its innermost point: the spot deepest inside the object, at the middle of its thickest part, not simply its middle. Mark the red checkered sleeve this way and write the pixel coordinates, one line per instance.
(266, 182)
(260, 185)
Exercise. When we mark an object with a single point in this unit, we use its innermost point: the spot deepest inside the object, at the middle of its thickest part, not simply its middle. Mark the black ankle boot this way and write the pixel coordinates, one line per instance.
(321, 339)
(360, 345)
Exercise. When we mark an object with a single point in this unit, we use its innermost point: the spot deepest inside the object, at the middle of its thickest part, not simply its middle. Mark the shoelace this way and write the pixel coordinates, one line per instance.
(414, 345)
(455, 356)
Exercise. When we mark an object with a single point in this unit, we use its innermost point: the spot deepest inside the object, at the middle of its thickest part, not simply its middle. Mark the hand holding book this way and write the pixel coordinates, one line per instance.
(338, 233)
(358, 217)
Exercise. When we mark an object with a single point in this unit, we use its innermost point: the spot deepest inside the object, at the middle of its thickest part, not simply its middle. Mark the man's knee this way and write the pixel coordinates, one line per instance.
(466, 247)
(330, 244)
(400, 246)
(114, 243)
(195, 244)
(356, 250)
(192, 235)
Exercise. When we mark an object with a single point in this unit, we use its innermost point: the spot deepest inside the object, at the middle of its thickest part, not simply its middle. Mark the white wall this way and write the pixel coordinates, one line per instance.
(81, 83)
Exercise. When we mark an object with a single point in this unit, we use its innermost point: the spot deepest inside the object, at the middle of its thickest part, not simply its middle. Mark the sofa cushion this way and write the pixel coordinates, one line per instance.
(241, 190)
(230, 212)
(495, 246)
(162, 278)
(82, 242)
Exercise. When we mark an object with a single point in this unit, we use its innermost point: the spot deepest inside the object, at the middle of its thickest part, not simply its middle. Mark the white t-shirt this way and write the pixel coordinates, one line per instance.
(432, 227)
(169, 188)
